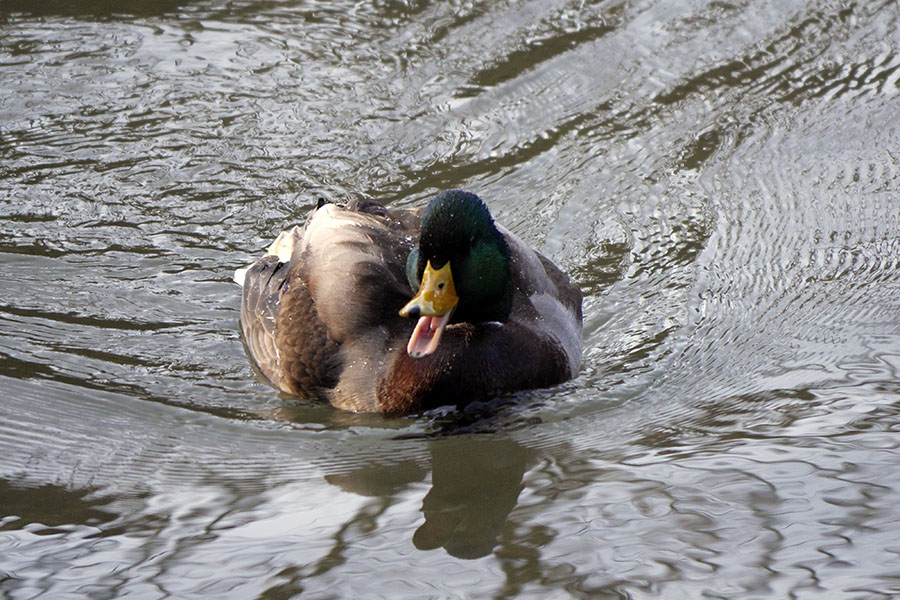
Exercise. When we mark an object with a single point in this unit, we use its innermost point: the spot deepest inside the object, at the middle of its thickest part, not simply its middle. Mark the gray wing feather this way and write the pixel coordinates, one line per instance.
(263, 284)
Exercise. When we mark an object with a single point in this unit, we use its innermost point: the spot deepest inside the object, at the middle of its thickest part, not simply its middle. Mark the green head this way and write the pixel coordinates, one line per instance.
(457, 229)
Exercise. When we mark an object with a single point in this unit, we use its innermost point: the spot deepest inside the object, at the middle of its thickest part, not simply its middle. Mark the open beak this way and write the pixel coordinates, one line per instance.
(433, 305)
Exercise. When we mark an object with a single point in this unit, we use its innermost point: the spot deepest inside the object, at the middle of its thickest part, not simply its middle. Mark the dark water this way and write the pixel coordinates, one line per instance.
(721, 178)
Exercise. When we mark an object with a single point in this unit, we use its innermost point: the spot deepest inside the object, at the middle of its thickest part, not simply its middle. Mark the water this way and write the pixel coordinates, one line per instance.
(721, 178)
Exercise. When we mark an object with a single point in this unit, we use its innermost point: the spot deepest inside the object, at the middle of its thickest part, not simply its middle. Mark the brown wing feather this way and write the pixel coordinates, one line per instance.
(282, 330)
(354, 263)
(320, 310)
(308, 357)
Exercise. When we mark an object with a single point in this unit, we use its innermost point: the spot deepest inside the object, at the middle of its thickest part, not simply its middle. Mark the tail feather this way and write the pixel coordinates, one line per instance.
(240, 275)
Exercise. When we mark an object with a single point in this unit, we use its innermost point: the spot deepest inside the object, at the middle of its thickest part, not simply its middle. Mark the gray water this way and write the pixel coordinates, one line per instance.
(722, 179)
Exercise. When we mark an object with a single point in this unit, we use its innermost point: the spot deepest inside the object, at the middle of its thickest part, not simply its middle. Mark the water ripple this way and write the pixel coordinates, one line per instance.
(718, 177)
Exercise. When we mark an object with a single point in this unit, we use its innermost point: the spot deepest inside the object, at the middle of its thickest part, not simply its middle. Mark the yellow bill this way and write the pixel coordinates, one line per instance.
(433, 304)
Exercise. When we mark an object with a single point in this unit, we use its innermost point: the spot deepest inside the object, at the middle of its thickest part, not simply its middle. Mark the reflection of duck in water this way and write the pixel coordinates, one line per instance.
(327, 312)
(475, 484)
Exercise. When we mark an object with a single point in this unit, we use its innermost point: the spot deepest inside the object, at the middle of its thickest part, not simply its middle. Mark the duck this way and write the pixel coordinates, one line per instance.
(402, 310)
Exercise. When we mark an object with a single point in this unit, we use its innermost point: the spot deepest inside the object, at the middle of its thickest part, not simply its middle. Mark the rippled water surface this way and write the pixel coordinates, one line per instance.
(721, 178)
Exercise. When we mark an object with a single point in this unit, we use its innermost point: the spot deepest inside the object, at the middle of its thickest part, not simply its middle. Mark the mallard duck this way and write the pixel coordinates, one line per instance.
(401, 310)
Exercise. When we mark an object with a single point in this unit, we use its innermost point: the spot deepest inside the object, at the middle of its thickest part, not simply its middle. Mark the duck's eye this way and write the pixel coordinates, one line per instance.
(440, 286)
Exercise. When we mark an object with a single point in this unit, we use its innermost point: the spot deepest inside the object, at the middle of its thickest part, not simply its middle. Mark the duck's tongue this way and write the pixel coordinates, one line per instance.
(427, 335)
